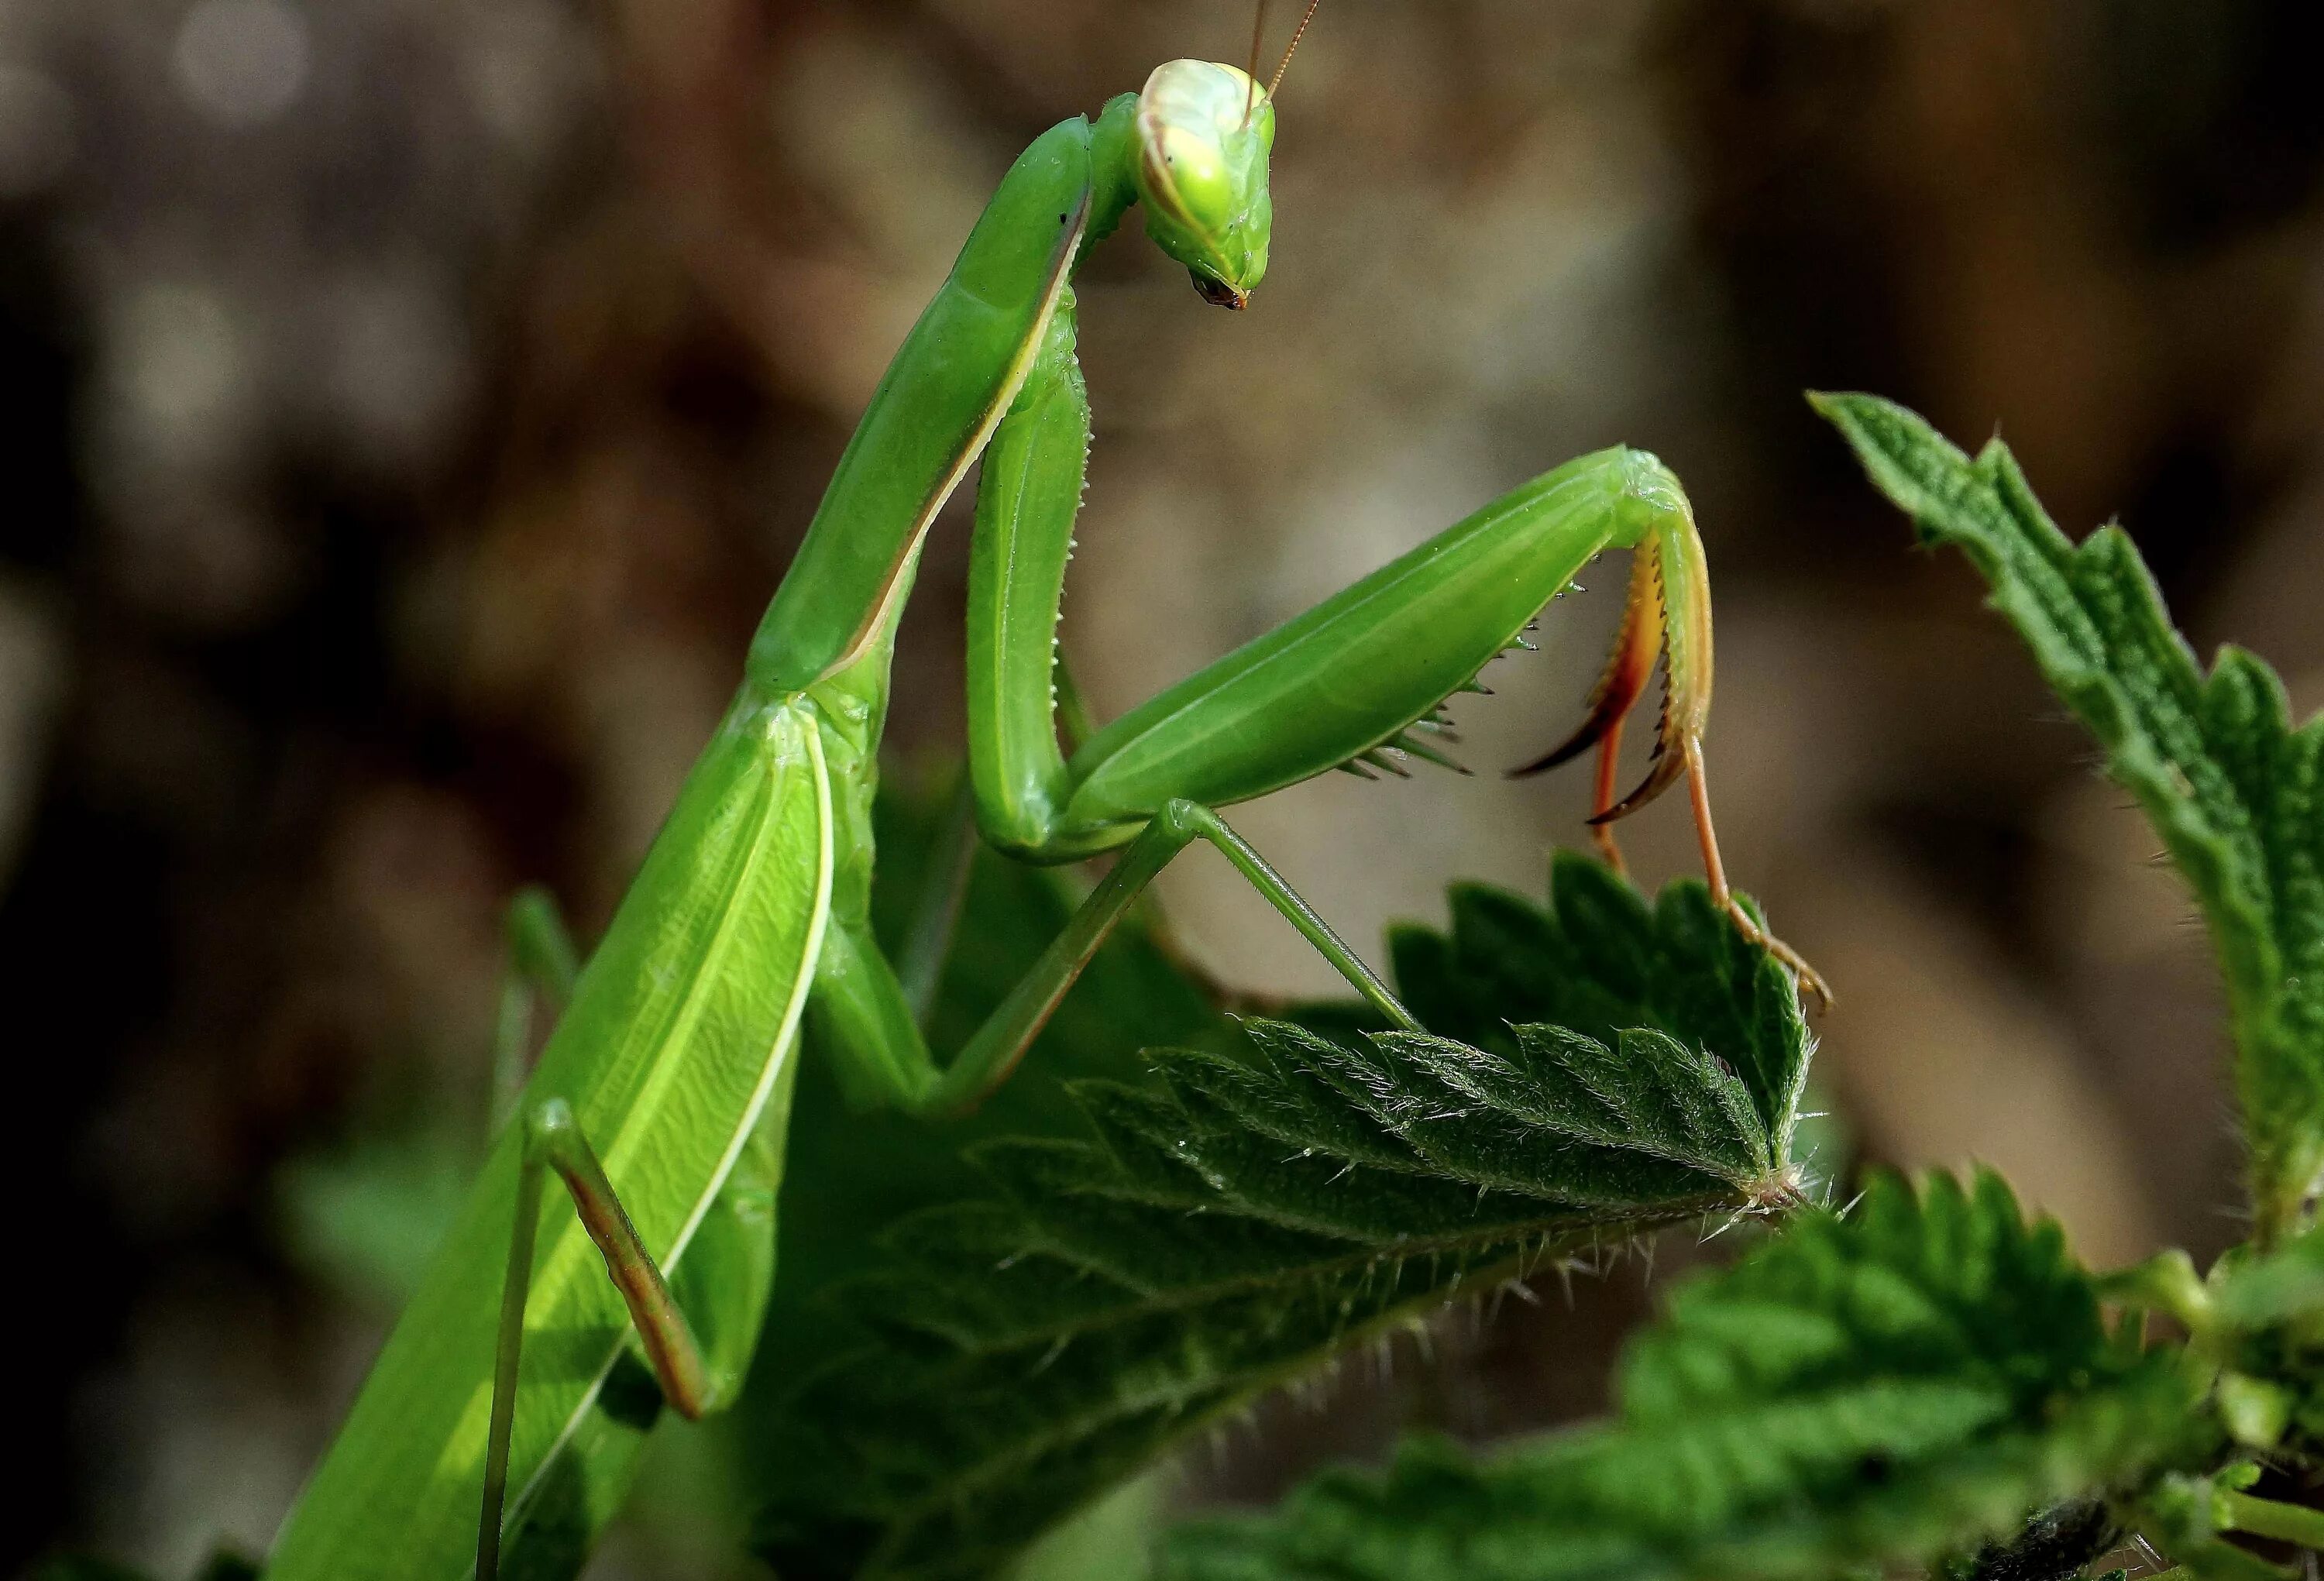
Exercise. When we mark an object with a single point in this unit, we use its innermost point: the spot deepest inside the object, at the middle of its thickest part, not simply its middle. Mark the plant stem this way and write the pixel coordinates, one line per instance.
(2270, 1518)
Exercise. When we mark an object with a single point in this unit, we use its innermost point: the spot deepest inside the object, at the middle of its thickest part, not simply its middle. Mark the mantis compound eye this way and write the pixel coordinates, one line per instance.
(1204, 134)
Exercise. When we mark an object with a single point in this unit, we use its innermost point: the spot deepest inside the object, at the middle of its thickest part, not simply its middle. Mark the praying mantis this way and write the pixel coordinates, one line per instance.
(498, 1425)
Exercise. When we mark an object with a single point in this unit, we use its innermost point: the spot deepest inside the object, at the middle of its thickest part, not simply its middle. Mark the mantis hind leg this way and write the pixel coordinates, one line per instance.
(994, 1051)
(867, 1014)
(553, 1142)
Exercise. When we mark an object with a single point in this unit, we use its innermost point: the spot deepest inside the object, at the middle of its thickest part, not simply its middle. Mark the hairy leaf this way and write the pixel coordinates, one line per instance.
(1237, 1219)
(2232, 788)
(1598, 961)
(1878, 1390)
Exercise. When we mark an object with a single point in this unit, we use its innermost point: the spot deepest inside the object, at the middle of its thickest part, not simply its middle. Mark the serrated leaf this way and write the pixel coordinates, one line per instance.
(2230, 787)
(1599, 961)
(1880, 1390)
(1239, 1219)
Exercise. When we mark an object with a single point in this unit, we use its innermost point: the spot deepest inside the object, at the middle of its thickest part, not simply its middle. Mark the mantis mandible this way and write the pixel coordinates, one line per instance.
(660, 1101)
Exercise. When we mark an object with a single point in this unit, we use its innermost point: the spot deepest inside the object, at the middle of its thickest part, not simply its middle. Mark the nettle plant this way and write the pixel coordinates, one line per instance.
(985, 1336)
(1918, 1380)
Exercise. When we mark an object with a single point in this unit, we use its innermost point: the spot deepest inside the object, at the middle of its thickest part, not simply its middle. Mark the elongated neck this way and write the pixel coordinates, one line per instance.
(948, 386)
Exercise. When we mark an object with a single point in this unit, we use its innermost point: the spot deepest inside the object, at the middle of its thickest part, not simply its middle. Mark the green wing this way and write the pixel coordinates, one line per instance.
(677, 1046)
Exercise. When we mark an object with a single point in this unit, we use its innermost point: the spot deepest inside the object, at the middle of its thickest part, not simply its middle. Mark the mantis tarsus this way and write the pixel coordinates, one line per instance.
(660, 1101)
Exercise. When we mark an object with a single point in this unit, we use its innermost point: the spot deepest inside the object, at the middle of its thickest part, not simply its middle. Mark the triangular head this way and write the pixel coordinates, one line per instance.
(1204, 134)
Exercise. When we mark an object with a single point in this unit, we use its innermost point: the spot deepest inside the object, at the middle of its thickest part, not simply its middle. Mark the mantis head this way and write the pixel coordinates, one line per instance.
(1204, 132)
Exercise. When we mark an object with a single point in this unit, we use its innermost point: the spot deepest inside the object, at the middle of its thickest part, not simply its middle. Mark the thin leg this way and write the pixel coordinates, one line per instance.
(507, 1348)
(1001, 1042)
(1312, 927)
(553, 1141)
(542, 966)
(1078, 724)
(1715, 872)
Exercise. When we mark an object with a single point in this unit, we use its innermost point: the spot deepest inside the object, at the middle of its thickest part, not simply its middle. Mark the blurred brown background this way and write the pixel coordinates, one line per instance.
(410, 403)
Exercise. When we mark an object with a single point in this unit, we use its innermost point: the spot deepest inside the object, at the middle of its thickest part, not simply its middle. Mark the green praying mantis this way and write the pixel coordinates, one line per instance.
(498, 1426)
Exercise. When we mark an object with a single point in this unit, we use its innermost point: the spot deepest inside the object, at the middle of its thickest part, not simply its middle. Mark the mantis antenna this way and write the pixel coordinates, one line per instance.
(1257, 37)
(1291, 49)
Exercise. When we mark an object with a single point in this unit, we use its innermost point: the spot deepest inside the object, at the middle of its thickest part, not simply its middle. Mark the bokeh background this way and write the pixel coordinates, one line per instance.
(407, 406)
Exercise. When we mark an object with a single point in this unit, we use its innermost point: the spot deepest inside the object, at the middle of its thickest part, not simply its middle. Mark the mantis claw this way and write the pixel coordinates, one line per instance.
(1666, 619)
(1619, 685)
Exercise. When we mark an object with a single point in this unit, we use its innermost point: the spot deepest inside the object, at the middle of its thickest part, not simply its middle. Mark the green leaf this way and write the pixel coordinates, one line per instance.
(1236, 1220)
(2285, 1285)
(2231, 788)
(1880, 1390)
(1598, 961)
(2266, 1322)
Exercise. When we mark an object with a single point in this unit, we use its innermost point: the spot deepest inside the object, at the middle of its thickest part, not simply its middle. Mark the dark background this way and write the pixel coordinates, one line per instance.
(407, 406)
